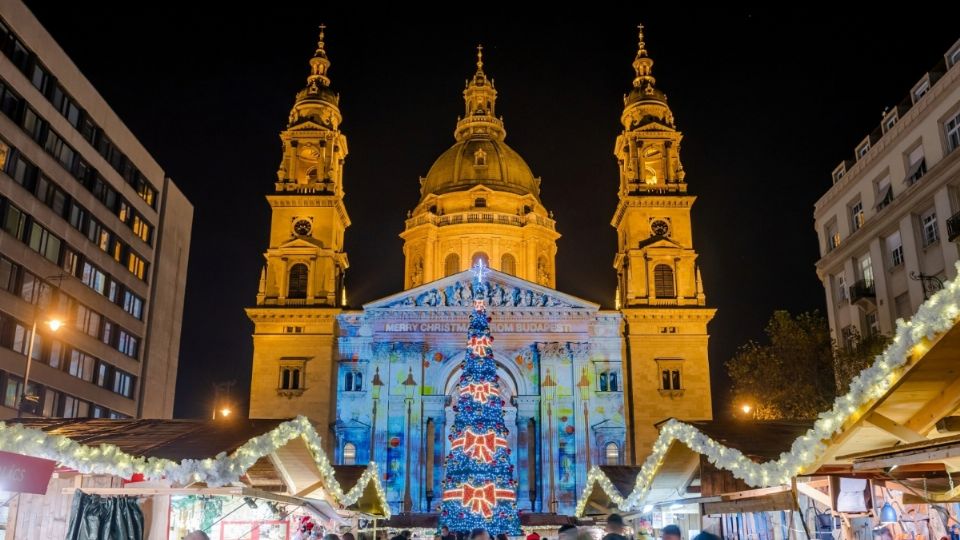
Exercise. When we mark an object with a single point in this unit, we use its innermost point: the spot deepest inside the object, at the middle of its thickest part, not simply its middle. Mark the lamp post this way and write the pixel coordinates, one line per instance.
(584, 386)
(375, 386)
(54, 324)
(550, 391)
(409, 386)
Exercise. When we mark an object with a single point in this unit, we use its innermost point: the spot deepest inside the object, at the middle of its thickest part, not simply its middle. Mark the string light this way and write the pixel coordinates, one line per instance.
(911, 340)
(220, 470)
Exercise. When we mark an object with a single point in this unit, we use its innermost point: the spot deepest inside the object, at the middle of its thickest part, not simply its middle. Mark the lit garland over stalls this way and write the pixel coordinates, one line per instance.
(935, 316)
(479, 490)
(217, 471)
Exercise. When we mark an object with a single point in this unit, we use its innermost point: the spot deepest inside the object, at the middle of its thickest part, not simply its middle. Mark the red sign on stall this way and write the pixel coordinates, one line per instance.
(24, 474)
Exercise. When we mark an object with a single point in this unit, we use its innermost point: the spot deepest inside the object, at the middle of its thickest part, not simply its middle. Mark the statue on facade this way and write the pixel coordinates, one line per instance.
(416, 273)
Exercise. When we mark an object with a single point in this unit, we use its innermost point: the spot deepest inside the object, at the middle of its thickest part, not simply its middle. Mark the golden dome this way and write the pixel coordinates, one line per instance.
(480, 157)
(480, 161)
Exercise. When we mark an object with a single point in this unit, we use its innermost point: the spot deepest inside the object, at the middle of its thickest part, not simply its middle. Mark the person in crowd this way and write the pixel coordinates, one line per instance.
(615, 528)
(671, 532)
(348, 536)
(330, 536)
(445, 534)
(406, 534)
(480, 534)
(568, 532)
(533, 536)
(502, 536)
(197, 535)
(706, 536)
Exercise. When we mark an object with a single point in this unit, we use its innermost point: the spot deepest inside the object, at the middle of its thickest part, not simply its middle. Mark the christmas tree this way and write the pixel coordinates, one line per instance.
(479, 490)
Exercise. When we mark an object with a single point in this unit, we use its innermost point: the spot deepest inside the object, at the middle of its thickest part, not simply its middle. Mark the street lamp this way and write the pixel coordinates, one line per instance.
(550, 392)
(54, 324)
(409, 387)
(375, 386)
(584, 386)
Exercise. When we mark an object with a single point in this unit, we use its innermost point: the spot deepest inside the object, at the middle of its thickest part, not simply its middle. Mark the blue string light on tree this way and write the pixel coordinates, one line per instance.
(479, 490)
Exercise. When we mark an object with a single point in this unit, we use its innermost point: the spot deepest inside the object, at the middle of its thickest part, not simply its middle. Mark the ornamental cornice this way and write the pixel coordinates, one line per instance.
(311, 201)
(463, 314)
(669, 314)
(287, 314)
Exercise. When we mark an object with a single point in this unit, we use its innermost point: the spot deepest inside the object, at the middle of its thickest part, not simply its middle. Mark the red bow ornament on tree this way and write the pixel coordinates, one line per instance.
(480, 500)
(480, 392)
(479, 345)
(479, 447)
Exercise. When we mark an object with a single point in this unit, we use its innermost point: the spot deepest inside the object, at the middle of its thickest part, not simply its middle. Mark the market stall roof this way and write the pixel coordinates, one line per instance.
(283, 455)
(760, 440)
(370, 502)
(899, 399)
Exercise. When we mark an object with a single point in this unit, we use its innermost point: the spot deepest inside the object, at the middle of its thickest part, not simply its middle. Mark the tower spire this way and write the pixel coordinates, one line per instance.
(319, 64)
(479, 58)
(643, 64)
(480, 98)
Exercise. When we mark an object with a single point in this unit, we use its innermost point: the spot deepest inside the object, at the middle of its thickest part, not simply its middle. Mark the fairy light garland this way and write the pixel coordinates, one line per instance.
(223, 469)
(935, 316)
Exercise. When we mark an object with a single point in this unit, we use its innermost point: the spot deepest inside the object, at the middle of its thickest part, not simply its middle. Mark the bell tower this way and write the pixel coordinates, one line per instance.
(301, 285)
(659, 288)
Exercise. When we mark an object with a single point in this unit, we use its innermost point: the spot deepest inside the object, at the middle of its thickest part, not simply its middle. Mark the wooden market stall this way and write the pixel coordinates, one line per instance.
(233, 478)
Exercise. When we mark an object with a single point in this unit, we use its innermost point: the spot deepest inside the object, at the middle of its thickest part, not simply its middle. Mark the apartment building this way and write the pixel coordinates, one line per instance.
(888, 224)
(93, 235)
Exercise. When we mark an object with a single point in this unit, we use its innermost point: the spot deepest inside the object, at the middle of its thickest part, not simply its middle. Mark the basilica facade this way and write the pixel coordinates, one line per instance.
(583, 385)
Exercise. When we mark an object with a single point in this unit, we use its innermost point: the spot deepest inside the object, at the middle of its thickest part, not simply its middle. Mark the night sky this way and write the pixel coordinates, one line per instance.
(769, 104)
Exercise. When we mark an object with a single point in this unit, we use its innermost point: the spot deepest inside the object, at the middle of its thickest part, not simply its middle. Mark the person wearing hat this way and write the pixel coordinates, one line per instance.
(533, 536)
(615, 528)
(671, 532)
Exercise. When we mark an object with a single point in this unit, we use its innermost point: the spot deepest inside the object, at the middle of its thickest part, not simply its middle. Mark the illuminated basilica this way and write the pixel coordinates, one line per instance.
(583, 385)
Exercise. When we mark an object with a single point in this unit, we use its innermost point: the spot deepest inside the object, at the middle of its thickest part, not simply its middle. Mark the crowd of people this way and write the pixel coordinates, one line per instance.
(614, 531)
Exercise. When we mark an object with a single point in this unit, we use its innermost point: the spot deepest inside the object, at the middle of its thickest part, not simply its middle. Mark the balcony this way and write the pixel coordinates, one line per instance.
(953, 227)
(481, 217)
(863, 293)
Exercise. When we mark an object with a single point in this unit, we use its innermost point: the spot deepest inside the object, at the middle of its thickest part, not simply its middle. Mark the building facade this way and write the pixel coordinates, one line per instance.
(583, 385)
(888, 223)
(93, 235)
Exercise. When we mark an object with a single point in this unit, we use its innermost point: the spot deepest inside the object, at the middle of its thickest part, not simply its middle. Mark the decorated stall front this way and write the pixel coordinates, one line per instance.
(850, 474)
(260, 479)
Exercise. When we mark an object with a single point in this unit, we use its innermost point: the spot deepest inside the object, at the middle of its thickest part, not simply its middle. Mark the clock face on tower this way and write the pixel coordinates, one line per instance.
(302, 227)
(660, 227)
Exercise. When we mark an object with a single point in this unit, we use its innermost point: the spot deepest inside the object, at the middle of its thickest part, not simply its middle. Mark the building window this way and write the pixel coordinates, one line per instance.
(663, 281)
(856, 216)
(833, 237)
(902, 306)
(873, 323)
(293, 329)
(847, 337)
(608, 380)
(863, 149)
(612, 453)
(451, 265)
(349, 454)
(480, 202)
(952, 128)
(866, 270)
(895, 249)
(671, 375)
(890, 122)
(291, 377)
(838, 173)
(353, 381)
(921, 90)
(298, 281)
(953, 57)
(508, 265)
(928, 223)
(917, 165)
(478, 257)
(884, 192)
(479, 158)
(841, 285)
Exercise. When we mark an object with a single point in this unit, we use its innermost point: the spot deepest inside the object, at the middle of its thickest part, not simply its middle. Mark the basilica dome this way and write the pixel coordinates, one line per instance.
(480, 160)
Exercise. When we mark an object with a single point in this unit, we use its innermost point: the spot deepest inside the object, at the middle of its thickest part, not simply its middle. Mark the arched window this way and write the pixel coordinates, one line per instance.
(614, 386)
(358, 382)
(480, 256)
(295, 380)
(663, 281)
(348, 381)
(349, 454)
(612, 453)
(603, 382)
(508, 265)
(451, 265)
(285, 380)
(297, 288)
(480, 202)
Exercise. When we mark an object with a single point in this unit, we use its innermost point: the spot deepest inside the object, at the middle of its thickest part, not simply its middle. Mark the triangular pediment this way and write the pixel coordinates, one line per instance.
(301, 242)
(653, 125)
(504, 292)
(659, 241)
(307, 125)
